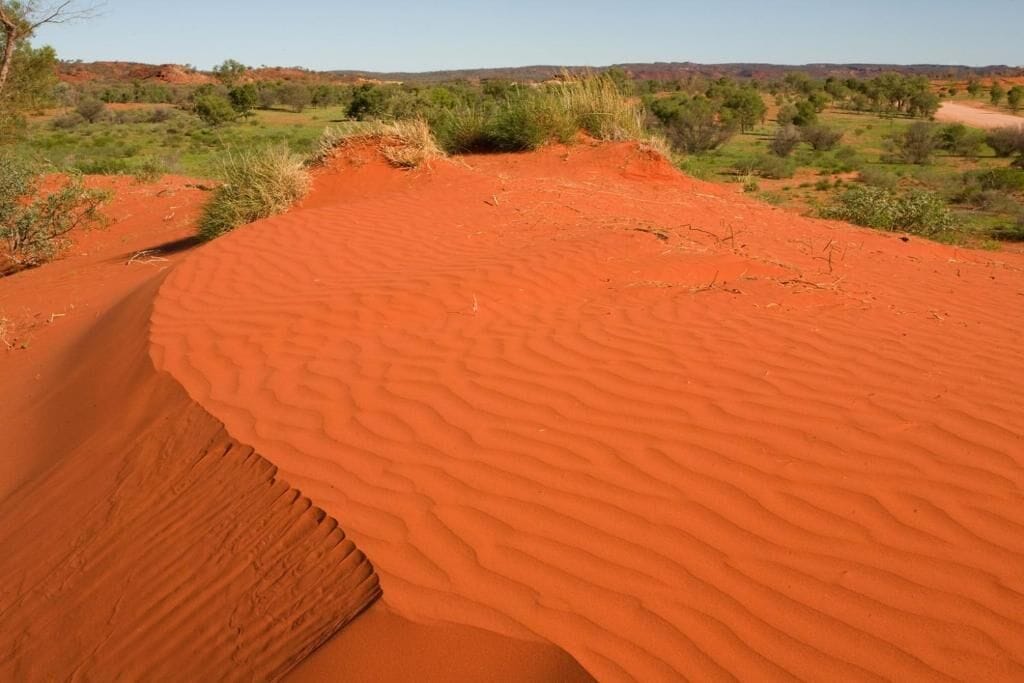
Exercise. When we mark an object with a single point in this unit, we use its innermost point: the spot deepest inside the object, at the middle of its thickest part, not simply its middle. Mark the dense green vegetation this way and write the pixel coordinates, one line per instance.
(796, 140)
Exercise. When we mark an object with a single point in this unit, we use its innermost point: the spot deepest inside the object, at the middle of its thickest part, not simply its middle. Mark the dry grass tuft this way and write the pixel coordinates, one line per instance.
(599, 107)
(256, 185)
(405, 144)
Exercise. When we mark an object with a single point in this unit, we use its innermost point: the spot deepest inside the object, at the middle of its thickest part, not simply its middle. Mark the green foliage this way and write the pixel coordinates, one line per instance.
(692, 124)
(996, 93)
(30, 86)
(915, 144)
(230, 71)
(368, 101)
(256, 185)
(919, 212)
(297, 96)
(878, 177)
(958, 139)
(34, 226)
(244, 98)
(821, 138)
(1015, 98)
(214, 109)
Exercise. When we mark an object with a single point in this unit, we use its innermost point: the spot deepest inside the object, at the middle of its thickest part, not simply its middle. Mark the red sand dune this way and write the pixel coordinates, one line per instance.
(575, 397)
(140, 540)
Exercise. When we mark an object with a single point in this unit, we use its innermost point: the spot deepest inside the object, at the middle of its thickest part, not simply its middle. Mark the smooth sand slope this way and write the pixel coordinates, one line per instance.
(574, 396)
(954, 112)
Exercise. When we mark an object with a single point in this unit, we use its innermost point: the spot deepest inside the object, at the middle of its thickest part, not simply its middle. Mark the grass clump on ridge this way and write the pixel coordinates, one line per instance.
(529, 118)
(405, 144)
(257, 184)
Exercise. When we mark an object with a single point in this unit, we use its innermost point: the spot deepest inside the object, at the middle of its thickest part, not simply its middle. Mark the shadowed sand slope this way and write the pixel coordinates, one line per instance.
(574, 396)
(157, 547)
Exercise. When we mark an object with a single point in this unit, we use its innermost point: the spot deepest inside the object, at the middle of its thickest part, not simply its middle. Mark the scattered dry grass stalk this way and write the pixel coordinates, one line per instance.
(405, 144)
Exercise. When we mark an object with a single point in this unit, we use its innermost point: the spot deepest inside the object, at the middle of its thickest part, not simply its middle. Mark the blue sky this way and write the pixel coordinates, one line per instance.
(420, 36)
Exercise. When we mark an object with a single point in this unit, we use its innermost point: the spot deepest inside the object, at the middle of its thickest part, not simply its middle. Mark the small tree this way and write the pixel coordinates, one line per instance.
(973, 87)
(214, 109)
(956, 138)
(244, 98)
(230, 72)
(996, 93)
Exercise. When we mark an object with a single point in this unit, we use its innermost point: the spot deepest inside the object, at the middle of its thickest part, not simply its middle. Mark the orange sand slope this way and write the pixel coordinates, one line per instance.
(141, 541)
(159, 548)
(573, 395)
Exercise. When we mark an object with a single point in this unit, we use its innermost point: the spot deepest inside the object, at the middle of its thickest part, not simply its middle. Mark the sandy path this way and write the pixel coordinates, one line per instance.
(678, 433)
(955, 112)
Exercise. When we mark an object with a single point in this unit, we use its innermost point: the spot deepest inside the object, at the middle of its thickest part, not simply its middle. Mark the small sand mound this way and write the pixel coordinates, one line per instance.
(575, 397)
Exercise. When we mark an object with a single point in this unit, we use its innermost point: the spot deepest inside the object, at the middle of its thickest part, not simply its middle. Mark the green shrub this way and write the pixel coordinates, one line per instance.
(214, 110)
(526, 122)
(958, 139)
(256, 185)
(34, 226)
(776, 168)
(918, 211)
(462, 130)
(915, 144)
(821, 138)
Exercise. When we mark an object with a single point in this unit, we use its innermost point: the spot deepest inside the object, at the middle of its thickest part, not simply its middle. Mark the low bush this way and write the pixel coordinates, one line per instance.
(915, 144)
(33, 225)
(68, 121)
(958, 139)
(91, 110)
(1007, 142)
(257, 184)
(776, 168)
(919, 212)
(821, 138)
(785, 140)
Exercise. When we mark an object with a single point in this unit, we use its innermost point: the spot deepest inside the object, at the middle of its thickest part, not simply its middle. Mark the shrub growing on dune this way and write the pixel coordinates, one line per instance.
(34, 226)
(257, 185)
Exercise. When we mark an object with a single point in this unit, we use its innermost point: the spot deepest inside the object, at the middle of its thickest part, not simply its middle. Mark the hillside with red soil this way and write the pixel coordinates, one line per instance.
(575, 397)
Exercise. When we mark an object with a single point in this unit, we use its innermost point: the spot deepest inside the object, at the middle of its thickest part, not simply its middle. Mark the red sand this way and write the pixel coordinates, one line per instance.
(142, 541)
(575, 397)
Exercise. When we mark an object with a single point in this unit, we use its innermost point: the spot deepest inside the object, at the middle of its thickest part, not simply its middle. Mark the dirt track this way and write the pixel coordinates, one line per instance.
(954, 112)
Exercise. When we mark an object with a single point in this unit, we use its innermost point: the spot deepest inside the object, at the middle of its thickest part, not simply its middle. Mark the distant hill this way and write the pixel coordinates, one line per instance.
(122, 72)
